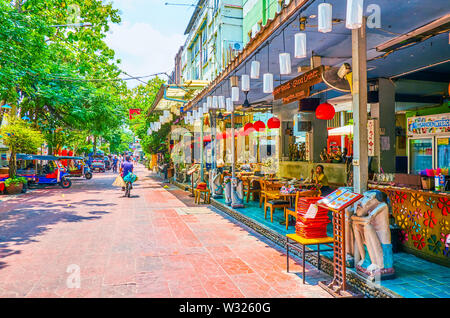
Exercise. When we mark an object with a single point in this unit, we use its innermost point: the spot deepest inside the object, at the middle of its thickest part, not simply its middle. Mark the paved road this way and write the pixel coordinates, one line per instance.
(90, 241)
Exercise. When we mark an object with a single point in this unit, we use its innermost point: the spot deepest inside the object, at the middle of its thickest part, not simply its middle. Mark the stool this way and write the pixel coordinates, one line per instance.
(198, 195)
(298, 240)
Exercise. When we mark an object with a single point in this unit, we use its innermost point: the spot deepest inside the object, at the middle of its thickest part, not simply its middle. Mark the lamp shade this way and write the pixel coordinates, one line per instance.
(268, 83)
(221, 100)
(205, 108)
(300, 45)
(248, 128)
(285, 63)
(215, 103)
(354, 15)
(209, 102)
(235, 94)
(259, 125)
(229, 104)
(325, 17)
(273, 123)
(325, 111)
(254, 70)
(245, 83)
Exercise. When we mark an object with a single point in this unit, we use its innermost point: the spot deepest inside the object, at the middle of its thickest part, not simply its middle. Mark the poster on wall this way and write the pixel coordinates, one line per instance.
(426, 125)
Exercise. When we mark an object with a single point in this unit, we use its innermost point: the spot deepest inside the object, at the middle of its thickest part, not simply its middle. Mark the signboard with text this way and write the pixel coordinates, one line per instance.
(299, 87)
(426, 125)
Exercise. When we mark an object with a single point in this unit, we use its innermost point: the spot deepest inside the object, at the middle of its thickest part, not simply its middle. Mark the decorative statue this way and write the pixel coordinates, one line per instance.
(237, 193)
(214, 183)
(227, 183)
(370, 231)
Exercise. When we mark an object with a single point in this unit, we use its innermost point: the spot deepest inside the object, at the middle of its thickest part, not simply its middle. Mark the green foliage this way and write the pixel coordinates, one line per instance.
(15, 180)
(21, 137)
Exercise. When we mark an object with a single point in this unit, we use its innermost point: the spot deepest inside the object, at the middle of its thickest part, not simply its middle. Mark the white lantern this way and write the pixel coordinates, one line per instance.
(209, 102)
(245, 83)
(235, 94)
(200, 112)
(300, 45)
(166, 113)
(215, 103)
(221, 102)
(254, 70)
(229, 103)
(285, 63)
(205, 108)
(325, 17)
(268, 83)
(354, 17)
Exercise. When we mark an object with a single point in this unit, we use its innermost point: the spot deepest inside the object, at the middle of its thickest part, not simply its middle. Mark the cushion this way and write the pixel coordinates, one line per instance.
(276, 202)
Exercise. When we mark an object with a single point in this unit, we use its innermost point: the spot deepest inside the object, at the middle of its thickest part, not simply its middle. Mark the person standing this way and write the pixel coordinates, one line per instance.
(115, 162)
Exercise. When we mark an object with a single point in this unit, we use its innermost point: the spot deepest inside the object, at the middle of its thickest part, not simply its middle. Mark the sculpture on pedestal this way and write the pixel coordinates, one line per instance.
(214, 183)
(368, 236)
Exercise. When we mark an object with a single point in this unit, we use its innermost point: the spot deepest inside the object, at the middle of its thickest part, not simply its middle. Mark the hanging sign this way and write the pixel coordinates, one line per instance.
(371, 137)
(432, 124)
(134, 111)
(299, 87)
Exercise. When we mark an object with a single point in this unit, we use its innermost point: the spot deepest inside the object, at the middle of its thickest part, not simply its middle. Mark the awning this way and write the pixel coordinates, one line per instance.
(341, 131)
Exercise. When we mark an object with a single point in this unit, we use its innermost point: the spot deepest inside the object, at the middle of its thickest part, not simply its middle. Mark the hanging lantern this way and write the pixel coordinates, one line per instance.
(285, 63)
(300, 45)
(235, 94)
(209, 102)
(354, 16)
(234, 81)
(221, 100)
(254, 70)
(325, 111)
(248, 128)
(268, 83)
(245, 83)
(215, 103)
(325, 17)
(259, 125)
(205, 108)
(229, 104)
(273, 123)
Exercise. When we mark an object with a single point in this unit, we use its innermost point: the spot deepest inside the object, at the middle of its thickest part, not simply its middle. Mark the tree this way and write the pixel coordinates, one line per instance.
(20, 137)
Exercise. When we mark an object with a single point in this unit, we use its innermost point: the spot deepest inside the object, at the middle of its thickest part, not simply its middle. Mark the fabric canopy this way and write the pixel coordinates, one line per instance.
(341, 131)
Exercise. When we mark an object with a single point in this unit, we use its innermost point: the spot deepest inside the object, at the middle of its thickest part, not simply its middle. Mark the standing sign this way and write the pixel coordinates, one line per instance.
(299, 87)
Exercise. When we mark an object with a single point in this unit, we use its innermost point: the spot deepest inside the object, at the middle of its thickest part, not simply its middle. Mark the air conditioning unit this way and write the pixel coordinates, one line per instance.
(237, 46)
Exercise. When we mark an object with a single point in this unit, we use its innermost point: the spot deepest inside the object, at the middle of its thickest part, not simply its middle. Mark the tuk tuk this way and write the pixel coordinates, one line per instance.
(41, 170)
(76, 167)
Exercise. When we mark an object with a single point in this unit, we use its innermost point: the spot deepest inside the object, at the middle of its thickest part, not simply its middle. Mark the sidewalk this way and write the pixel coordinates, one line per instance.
(155, 244)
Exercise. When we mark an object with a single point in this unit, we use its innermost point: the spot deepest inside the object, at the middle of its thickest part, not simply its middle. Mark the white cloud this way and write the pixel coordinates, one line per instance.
(143, 49)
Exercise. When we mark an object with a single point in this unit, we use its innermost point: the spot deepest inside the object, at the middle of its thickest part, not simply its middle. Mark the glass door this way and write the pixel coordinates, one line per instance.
(420, 155)
(443, 152)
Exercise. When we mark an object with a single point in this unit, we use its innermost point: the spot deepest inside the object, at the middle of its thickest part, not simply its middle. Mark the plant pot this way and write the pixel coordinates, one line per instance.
(14, 188)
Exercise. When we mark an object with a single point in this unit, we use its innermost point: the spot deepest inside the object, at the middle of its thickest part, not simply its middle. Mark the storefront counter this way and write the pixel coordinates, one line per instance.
(424, 219)
(335, 172)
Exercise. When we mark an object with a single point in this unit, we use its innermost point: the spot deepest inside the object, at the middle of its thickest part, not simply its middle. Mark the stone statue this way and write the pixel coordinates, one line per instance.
(214, 182)
(368, 225)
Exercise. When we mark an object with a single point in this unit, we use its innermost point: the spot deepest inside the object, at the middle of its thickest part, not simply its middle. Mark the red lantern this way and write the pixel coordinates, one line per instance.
(325, 111)
(248, 128)
(273, 123)
(207, 138)
(259, 125)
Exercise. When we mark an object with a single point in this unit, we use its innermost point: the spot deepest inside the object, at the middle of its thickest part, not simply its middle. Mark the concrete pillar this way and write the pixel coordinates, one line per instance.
(359, 96)
(319, 139)
(386, 97)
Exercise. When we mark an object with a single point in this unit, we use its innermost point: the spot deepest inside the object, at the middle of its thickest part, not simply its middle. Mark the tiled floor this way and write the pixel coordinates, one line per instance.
(415, 277)
(154, 244)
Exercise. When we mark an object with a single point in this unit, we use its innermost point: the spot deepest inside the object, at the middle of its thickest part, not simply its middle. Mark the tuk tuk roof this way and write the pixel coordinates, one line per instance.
(69, 158)
(21, 156)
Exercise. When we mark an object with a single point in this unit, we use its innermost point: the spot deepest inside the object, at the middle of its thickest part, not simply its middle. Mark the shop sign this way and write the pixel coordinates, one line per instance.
(432, 124)
(299, 87)
(371, 137)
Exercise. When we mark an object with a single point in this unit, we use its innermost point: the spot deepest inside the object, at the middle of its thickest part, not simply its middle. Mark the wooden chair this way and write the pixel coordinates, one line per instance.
(273, 203)
(198, 193)
(293, 211)
(249, 189)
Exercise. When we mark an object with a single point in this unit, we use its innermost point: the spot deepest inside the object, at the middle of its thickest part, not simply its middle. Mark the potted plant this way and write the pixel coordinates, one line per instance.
(15, 185)
(20, 137)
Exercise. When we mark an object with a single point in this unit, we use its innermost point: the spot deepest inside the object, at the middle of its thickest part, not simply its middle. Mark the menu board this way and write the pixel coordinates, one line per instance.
(339, 199)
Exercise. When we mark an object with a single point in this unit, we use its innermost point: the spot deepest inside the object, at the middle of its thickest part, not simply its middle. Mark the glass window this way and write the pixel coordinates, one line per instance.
(421, 155)
(443, 152)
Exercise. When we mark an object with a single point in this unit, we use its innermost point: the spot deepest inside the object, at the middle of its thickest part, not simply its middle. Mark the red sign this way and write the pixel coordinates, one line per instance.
(134, 111)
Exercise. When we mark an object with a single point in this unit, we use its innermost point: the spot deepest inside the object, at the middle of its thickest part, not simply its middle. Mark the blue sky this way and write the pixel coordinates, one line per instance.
(149, 35)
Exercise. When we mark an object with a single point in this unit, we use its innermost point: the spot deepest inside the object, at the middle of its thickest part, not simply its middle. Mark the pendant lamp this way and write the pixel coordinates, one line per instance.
(235, 94)
(300, 45)
(245, 83)
(268, 83)
(221, 100)
(325, 111)
(273, 123)
(354, 16)
(215, 103)
(325, 17)
(259, 125)
(209, 102)
(229, 103)
(254, 70)
(248, 128)
(285, 63)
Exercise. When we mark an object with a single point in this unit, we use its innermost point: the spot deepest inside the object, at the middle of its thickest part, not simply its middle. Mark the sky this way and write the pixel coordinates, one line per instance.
(149, 35)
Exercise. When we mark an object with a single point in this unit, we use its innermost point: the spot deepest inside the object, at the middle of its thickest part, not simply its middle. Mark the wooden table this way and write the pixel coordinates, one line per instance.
(298, 240)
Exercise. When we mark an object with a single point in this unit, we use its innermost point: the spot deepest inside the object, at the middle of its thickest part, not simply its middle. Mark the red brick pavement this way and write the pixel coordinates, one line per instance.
(155, 244)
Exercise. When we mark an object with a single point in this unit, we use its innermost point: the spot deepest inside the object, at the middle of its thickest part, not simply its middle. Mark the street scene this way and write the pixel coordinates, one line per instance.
(213, 150)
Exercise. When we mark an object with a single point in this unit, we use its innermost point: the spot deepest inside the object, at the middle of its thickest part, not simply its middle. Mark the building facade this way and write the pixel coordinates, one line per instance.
(214, 36)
